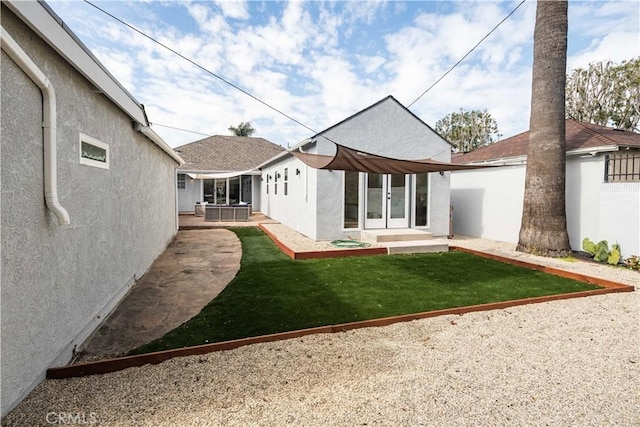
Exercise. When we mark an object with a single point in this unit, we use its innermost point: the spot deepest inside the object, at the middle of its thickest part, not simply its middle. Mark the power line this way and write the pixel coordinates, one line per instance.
(467, 54)
(180, 129)
(202, 68)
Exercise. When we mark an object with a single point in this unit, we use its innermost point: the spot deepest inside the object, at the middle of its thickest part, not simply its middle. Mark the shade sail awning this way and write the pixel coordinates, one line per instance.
(223, 175)
(348, 159)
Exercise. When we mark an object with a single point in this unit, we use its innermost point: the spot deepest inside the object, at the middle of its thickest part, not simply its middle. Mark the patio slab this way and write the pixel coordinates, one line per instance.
(193, 222)
(192, 271)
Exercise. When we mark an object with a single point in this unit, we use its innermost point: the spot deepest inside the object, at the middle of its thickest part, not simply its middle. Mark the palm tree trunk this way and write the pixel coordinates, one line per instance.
(544, 225)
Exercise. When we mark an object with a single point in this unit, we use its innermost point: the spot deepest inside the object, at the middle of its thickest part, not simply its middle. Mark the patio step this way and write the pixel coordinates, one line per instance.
(417, 247)
(395, 235)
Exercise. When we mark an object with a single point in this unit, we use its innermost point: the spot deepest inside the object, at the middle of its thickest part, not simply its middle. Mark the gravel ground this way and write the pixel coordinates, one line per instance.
(569, 362)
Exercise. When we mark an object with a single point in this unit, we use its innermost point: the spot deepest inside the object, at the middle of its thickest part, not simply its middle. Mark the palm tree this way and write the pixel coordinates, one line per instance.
(243, 129)
(544, 222)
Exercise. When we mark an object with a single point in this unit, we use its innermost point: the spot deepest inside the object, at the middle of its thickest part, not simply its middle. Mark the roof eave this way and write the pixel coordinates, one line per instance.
(282, 154)
(43, 21)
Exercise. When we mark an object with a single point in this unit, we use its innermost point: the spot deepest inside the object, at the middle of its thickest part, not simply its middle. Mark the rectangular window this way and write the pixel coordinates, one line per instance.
(208, 190)
(182, 181)
(234, 190)
(93, 152)
(623, 166)
(275, 183)
(286, 181)
(351, 199)
(422, 199)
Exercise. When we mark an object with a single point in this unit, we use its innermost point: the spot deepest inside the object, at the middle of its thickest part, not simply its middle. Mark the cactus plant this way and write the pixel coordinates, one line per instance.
(601, 252)
(614, 255)
(588, 246)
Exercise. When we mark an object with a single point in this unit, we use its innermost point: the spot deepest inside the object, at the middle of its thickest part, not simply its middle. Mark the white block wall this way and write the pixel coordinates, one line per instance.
(487, 203)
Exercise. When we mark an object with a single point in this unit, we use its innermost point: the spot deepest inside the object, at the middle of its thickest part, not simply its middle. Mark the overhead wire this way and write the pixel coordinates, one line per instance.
(467, 54)
(226, 81)
(180, 129)
(202, 67)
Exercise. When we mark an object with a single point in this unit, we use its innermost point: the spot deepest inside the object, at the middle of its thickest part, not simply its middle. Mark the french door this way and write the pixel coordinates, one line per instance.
(387, 201)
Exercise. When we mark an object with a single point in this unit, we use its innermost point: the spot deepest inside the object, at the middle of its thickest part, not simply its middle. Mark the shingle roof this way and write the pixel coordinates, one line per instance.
(226, 153)
(579, 135)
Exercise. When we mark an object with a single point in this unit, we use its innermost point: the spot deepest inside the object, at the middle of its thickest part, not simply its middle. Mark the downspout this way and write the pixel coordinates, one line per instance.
(25, 63)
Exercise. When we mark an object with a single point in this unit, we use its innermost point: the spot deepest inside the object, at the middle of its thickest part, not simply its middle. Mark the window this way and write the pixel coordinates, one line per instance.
(422, 199)
(623, 166)
(351, 199)
(182, 181)
(93, 152)
(275, 183)
(286, 181)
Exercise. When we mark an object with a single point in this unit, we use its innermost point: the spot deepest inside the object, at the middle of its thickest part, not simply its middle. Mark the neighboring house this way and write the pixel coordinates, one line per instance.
(602, 188)
(222, 170)
(88, 195)
(332, 204)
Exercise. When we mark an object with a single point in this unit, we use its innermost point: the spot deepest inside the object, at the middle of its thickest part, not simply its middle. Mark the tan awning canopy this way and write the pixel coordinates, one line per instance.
(348, 159)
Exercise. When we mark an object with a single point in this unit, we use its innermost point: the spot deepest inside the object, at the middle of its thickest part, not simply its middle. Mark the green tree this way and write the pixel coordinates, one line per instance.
(243, 129)
(468, 130)
(544, 222)
(606, 93)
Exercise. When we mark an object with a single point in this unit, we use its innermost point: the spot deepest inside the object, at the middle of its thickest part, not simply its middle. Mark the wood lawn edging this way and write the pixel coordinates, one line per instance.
(338, 253)
(121, 363)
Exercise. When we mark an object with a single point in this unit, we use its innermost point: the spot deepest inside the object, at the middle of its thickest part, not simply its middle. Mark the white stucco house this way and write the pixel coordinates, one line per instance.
(326, 204)
(88, 197)
(602, 188)
(222, 170)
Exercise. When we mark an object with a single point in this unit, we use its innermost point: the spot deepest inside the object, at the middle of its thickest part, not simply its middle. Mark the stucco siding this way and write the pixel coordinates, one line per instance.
(389, 130)
(58, 282)
(620, 216)
(488, 203)
(582, 195)
(188, 196)
(315, 203)
(297, 210)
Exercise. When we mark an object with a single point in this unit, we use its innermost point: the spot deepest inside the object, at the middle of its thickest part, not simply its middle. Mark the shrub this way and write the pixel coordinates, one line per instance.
(601, 252)
(633, 262)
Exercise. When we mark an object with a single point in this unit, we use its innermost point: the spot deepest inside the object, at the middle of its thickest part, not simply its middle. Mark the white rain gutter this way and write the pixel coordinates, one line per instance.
(25, 63)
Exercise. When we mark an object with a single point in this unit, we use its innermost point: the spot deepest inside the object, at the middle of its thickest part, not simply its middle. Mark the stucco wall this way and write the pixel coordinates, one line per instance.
(57, 282)
(315, 203)
(620, 216)
(488, 203)
(188, 196)
(297, 210)
(386, 129)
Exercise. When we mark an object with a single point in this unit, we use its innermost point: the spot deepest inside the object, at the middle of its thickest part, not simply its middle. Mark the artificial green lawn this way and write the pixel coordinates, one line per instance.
(273, 293)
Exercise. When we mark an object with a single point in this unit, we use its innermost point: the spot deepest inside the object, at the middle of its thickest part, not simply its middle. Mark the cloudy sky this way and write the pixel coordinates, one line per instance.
(319, 61)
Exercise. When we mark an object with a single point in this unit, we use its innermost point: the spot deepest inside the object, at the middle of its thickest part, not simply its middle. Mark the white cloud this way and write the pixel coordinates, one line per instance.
(233, 8)
(298, 59)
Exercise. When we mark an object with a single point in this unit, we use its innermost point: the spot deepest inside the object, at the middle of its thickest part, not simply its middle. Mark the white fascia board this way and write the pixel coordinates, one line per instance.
(594, 150)
(42, 22)
(518, 160)
(523, 159)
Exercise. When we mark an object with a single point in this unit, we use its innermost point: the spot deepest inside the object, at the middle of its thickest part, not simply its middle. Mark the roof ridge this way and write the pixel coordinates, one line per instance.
(597, 134)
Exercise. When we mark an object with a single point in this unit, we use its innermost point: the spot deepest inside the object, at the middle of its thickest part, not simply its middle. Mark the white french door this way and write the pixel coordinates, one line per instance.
(386, 201)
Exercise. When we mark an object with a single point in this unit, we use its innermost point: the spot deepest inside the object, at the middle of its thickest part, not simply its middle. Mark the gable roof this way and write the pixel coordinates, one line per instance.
(41, 19)
(227, 153)
(579, 135)
(383, 100)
